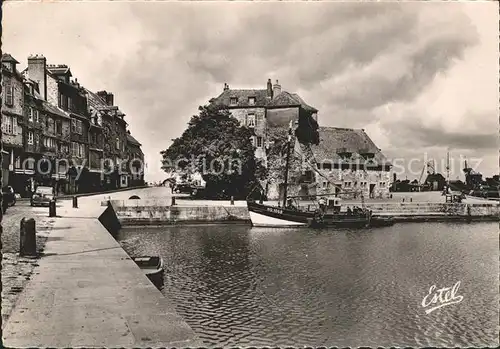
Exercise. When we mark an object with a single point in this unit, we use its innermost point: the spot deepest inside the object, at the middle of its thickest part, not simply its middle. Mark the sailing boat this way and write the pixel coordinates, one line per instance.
(322, 212)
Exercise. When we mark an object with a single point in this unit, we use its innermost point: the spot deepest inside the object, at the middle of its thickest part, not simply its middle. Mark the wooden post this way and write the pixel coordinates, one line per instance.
(173, 200)
(232, 200)
(75, 201)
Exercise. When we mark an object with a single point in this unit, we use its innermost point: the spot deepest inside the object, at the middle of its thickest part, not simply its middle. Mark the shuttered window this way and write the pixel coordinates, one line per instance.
(9, 95)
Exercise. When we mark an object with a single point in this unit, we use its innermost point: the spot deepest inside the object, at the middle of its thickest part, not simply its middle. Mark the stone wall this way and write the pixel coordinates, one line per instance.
(166, 215)
(52, 90)
(350, 180)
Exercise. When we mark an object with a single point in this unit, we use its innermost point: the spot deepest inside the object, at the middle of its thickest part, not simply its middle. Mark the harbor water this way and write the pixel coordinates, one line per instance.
(242, 286)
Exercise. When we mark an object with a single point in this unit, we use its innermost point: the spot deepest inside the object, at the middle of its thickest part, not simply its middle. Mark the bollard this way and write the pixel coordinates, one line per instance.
(232, 200)
(21, 234)
(411, 199)
(28, 238)
(52, 208)
(173, 200)
(75, 201)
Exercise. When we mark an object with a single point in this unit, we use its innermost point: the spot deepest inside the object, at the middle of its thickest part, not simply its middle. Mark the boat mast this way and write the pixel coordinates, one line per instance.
(448, 168)
(285, 184)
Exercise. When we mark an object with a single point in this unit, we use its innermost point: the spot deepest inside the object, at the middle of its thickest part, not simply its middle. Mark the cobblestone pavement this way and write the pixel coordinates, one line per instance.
(17, 271)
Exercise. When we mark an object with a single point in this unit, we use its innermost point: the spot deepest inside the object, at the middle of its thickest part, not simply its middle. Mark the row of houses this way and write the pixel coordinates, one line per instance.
(56, 132)
(342, 160)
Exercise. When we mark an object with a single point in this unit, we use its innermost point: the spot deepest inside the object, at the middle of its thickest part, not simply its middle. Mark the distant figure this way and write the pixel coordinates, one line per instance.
(349, 211)
(290, 205)
(322, 204)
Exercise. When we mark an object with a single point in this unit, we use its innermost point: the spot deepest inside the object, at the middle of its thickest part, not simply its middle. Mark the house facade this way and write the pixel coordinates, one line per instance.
(269, 113)
(12, 117)
(323, 160)
(53, 131)
(135, 164)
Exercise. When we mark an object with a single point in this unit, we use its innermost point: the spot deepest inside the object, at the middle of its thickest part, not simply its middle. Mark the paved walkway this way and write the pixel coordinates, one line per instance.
(87, 292)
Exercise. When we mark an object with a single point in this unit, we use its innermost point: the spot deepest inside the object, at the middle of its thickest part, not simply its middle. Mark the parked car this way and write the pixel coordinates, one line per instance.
(8, 197)
(42, 196)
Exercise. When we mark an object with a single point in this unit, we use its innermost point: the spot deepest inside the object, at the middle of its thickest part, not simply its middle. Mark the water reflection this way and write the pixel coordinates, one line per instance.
(243, 286)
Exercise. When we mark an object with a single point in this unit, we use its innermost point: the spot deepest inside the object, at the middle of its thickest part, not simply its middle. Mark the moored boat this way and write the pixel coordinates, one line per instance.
(324, 212)
(152, 268)
(316, 216)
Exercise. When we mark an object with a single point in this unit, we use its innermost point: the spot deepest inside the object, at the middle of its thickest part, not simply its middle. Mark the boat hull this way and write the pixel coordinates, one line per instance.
(271, 216)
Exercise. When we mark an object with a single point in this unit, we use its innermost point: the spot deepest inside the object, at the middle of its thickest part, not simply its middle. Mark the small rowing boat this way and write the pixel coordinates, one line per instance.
(152, 268)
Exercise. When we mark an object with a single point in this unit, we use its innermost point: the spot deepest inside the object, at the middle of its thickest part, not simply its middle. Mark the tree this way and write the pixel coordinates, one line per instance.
(218, 147)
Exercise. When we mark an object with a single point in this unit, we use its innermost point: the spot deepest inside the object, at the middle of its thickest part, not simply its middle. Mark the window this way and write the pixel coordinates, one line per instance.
(76, 126)
(30, 138)
(49, 142)
(308, 176)
(78, 149)
(251, 120)
(258, 120)
(63, 102)
(70, 103)
(59, 127)
(9, 95)
(36, 113)
(30, 114)
(117, 143)
(17, 164)
(325, 185)
(251, 100)
(233, 101)
(50, 124)
(259, 142)
(9, 124)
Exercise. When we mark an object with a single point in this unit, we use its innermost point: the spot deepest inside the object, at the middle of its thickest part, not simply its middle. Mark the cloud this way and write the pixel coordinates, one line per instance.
(412, 74)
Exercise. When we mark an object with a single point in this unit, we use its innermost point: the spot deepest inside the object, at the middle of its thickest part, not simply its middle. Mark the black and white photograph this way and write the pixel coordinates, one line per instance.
(227, 174)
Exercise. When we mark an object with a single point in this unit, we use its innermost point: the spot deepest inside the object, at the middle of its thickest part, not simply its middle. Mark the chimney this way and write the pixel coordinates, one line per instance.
(269, 88)
(37, 68)
(102, 94)
(106, 97)
(276, 89)
(226, 87)
(110, 99)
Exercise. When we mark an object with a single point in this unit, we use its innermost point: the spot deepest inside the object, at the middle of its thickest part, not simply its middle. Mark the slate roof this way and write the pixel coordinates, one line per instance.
(8, 58)
(261, 99)
(132, 140)
(335, 140)
(284, 99)
(54, 110)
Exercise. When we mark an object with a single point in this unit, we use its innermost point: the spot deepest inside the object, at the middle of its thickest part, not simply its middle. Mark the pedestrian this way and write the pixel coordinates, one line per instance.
(322, 204)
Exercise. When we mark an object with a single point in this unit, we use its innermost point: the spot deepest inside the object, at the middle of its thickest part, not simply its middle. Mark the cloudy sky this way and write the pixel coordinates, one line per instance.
(420, 78)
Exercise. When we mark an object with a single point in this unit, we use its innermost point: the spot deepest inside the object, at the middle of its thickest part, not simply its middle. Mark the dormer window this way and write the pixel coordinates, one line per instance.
(251, 100)
(233, 101)
(251, 120)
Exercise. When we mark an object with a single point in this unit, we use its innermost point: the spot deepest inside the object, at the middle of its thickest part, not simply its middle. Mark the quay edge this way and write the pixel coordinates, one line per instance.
(161, 213)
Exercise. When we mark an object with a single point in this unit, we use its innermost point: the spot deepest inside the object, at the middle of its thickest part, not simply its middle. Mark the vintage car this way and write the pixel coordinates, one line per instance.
(42, 196)
(8, 198)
